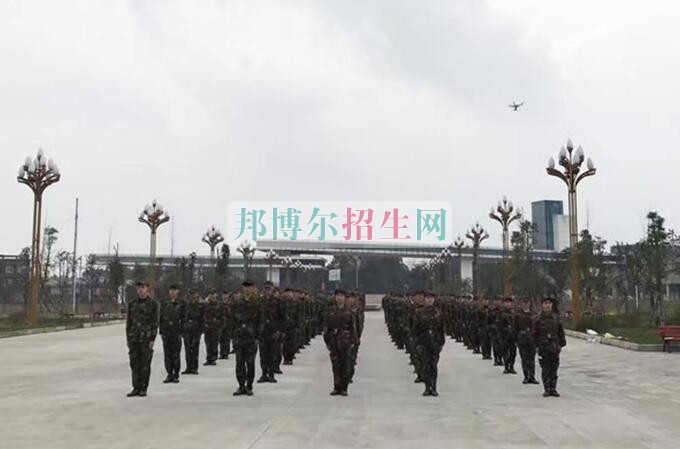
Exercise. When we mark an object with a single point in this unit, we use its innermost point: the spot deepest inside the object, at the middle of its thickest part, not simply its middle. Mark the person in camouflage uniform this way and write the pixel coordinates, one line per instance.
(353, 304)
(246, 313)
(192, 325)
(213, 319)
(172, 313)
(525, 341)
(429, 336)
(340, 336)
(549, 336)
(228, 328)
(506, 330)
(483, 323)
(292, 310)
(272, 322)
(141, 327)
(496, 342)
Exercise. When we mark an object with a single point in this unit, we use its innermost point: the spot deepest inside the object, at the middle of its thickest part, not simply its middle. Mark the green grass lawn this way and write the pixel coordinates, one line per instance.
(641, 335)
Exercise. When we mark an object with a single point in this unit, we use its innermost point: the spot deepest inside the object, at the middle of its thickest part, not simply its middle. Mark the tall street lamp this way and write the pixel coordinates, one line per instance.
(212, 237)
(153, 216)
(459, 244)
(477, 235)
(37, 173)
(247, 251)
(505, 213)
(571, 162)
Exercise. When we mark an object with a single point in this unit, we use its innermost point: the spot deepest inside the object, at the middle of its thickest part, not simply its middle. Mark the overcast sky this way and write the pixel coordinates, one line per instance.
(198, 103)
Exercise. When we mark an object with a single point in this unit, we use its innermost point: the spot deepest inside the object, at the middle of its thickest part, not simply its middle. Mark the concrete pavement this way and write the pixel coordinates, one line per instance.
(67, 390)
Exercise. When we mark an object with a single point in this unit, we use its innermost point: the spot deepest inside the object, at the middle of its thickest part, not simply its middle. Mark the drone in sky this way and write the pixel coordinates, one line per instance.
(515, 106)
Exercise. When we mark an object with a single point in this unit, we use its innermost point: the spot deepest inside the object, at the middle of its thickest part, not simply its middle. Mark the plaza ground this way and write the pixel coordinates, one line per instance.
(67, 390)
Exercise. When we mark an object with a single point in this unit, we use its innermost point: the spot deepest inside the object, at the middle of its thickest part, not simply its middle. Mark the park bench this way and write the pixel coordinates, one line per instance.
(669, 335)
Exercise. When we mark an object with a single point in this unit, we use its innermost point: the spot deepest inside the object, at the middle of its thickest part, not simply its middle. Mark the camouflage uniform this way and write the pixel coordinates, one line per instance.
(141, 328)
(272, 322)
(172, 313)
(227, 329)
(340, 336)
(192, 330)
(213, 320)
(246, 313)
(428, 332)
(506, 331)
(549, 336)
(525, 342)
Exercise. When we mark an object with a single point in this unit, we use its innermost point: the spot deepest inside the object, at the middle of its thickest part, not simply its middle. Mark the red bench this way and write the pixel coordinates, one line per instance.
(669, 334)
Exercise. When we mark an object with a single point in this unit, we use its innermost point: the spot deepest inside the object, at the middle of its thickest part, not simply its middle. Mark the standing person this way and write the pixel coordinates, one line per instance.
(429, 335)
(272, 322)
(353, 305)
(213, 319)
(172, 314)
(192, 328)
(246, 313)
(496, 342)
(340, 335)
(291, 327)
(483, 322)
(228, 328)
(549, 337)
(141, 328)
(506, 330)
(525, 341)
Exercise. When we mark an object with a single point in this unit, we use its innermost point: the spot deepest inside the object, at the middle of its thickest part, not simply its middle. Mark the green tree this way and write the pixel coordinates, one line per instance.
(49, 239)
(222, 266)
(116, 278)
(590, 253)
(630, 271)
(91, 275)
(525, 277)
(382, 274)
(656, 255)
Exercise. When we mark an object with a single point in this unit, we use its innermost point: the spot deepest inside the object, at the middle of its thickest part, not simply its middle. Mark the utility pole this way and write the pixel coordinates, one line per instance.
(75, 258)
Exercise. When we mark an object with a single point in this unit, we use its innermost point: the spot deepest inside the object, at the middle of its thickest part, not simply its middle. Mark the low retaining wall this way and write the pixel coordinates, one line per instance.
(613, 342)
(42, 330)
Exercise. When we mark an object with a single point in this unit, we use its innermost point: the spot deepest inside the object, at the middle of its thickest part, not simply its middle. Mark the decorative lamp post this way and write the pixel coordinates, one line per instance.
(212, 238)
(247, 251)
(37, 173)
(153, 216)
(571, 162)
(505, 213)
(477, 235)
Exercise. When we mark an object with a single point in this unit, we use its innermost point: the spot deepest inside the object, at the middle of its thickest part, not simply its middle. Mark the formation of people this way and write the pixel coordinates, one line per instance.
(277, 323)
(418, 323)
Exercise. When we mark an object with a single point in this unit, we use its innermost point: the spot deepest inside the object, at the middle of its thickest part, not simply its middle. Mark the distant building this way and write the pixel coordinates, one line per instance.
(543, 215)
(14, 274)
(561, 232)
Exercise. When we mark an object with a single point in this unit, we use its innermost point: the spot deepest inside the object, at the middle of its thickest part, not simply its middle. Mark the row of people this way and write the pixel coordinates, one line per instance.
(494, 330)
(278, 324)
